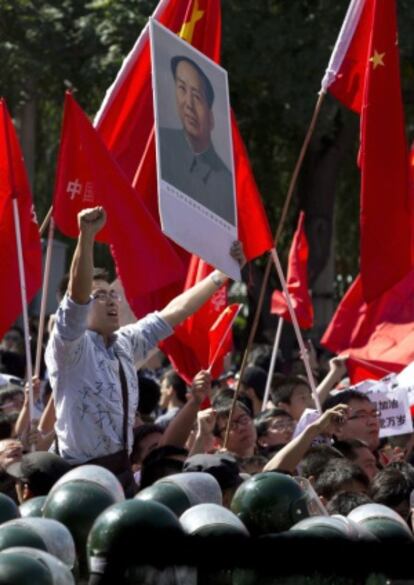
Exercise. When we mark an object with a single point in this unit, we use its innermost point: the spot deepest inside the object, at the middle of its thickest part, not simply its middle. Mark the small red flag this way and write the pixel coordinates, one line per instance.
(360, 370)
(14, 184)
(189, 348)
(88, 176)
(220, 334)
(382, 330)
(297, 281)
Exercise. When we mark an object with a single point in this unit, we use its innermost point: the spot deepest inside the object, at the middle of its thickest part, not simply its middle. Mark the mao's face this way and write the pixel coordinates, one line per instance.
(193, 109)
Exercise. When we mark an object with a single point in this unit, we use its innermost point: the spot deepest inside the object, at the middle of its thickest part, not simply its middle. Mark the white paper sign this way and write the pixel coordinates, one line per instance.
(406, 380)
(195, 165)
(392, 403)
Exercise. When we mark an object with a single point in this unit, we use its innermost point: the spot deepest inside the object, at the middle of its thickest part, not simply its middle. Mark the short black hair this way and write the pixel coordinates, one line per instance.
(173, 379)
(390, 487)
(141, 433)
(283, 391)
(344, 502)
(223, 411)
(149, 395)
(349, 447)
(161, 463)
(263, 420)
(316, 459)
(336, 475)
(344, 397)
(208, 88)
(6, 425)
(101, 274)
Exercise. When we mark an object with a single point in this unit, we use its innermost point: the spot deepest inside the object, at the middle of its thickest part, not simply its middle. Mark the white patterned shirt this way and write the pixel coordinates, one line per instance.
(84, 375)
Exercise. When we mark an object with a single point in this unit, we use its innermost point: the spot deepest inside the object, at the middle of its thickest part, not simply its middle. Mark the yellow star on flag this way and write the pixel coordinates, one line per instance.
(377, 59)
(187, 30)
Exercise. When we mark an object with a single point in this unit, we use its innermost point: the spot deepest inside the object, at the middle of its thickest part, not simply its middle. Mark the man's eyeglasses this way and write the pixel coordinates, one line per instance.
(282, 426)
(104, 295)
(365, 415)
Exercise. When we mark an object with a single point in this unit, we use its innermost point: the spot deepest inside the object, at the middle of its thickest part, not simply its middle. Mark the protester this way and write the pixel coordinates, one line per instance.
(90, 360)
(173, 396)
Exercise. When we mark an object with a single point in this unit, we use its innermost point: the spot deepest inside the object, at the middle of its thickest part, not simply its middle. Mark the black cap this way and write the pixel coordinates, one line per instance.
(40, 470)
(207, 83)
(255, 378)
(222, 467)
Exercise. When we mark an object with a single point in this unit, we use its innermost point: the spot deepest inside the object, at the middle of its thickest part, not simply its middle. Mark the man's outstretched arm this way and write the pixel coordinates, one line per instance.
(90, 221)
(192, 299)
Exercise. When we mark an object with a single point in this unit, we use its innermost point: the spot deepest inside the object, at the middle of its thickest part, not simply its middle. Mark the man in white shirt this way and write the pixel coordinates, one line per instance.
(91, 360)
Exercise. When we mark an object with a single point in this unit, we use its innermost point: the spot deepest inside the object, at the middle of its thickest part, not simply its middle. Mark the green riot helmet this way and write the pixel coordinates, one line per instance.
(199, 487)
(8, 509)
(94, 474)
(33, 507)
(270, 502)
(41, 533)
(168, 494)
(211, 519)
(382, 521)
(77, 504)
(325, 527)
(16, 569)
(122, 535)
(60, 573)
(357, 531)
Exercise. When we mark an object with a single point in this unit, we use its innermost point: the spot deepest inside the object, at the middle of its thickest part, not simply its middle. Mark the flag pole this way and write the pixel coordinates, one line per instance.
(276, 344)
(22, 278)
(223, 339)
(45, 290)
(46, 221)
(23, 293)
(279, 230)
(303, 350)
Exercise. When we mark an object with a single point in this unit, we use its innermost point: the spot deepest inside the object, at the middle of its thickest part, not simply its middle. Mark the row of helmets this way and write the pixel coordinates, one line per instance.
(85, 527)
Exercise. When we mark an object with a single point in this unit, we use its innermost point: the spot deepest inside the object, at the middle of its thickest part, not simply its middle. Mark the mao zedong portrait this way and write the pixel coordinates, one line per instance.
(189, 161)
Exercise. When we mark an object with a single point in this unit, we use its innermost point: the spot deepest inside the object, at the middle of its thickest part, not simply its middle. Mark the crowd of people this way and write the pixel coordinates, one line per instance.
(98, 424)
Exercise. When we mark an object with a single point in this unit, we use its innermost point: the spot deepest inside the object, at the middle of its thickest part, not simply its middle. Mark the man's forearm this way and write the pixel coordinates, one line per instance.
(81, 270)
(289, 457)
(191, 300)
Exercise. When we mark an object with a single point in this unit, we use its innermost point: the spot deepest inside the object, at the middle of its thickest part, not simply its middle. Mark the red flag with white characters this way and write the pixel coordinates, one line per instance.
(88, 176)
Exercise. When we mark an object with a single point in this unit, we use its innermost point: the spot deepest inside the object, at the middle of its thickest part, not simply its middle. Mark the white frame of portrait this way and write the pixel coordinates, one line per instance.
(192, 225)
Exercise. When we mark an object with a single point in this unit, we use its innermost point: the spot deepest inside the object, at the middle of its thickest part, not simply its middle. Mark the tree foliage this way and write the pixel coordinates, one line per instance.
(275, 52)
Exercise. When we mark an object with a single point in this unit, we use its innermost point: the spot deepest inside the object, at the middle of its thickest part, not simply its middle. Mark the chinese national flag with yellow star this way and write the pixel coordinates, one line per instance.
(366, 78)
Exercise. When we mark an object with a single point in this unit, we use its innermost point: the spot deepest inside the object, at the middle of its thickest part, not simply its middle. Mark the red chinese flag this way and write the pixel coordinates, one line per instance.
(385, 219)
(380, 331)
(126, 117)
(345, 75)
(297, 281)
(88, 176)
(14, 185)
(220, 336)
(189, 348)
(360, 370)
(368, 81)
